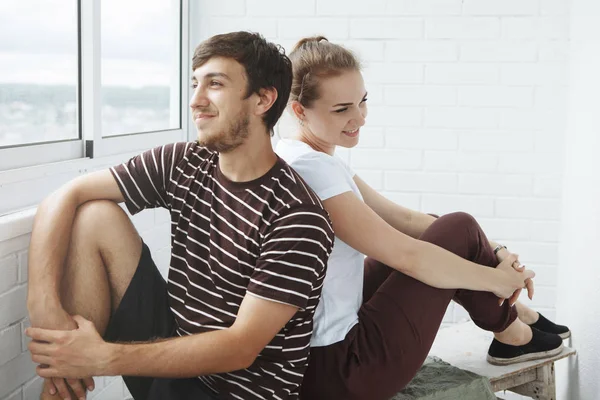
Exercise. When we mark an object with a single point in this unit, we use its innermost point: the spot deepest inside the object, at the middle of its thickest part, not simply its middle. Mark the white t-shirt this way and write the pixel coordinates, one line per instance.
(341, 295)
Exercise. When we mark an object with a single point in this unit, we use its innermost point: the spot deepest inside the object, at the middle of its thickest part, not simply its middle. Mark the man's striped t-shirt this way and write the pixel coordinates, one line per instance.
(269, 238)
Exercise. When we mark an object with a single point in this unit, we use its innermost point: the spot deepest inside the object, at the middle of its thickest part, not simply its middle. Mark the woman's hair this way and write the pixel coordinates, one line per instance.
(313, 58)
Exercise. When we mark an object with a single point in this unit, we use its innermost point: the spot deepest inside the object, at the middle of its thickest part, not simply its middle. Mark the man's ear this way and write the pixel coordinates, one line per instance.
(298, 110)
(266, 99)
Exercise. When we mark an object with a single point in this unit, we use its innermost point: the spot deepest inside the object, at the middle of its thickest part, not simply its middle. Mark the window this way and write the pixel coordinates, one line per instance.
(38, 71)
(140, 66)
(90, 78)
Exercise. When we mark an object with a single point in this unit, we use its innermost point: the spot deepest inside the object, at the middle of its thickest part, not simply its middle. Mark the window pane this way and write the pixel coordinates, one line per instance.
(140, 66)
(38, 71)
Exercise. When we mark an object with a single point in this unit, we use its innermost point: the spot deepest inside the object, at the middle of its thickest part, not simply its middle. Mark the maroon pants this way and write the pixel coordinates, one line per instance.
(399, 320)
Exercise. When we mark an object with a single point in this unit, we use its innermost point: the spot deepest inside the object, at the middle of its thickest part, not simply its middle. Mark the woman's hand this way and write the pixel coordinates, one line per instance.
(514, 278)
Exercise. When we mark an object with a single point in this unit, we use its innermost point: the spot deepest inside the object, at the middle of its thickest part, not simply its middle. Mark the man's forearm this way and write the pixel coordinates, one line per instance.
(183, 357)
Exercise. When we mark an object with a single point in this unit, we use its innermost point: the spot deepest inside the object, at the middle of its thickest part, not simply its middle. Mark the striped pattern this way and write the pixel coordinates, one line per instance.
(269, 237)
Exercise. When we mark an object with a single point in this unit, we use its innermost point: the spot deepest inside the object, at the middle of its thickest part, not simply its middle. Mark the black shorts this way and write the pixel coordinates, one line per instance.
(143, 315)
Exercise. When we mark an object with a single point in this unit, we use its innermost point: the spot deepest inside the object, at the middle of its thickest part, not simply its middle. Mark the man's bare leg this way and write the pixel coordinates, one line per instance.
(103, 256)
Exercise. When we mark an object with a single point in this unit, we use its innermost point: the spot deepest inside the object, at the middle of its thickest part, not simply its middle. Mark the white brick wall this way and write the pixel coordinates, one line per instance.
(467, 113)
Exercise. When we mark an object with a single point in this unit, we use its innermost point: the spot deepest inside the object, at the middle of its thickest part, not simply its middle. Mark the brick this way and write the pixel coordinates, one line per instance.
(112, 391)
(375, 95)
(9, 272)
(372, 177)
(544, 297)
(392, 73)
(554, 7)
(16, 395)
(545, 231)
(143, 221)
(33, 389)
(521, 119)
(420, 182)
(499, 51)
(421, 139)
(538, 209)
(501, 230)
(23, 266)
(366, 50)
(350, 7)
(158, 237)
(420, 95)
(386, 28)
(478, 206)
(370, 138)
(14, 245)
(386, 159)
(460, 117)
(26, 323)
(408, 200)
(424, 7)
(553, 50)
(15, 373)
(421, 51)
(278, 8)
(548, 186)
(463, 28)
(266, 26)
(396, 116)
(529, 163)
(543, 28)
(535, 253)
(228, 8)
(499, 96)
(497, 142)
(295, 28)
(551, 98)
(13, 306)
(533, 74)
(462, 74)
(495, 184)
(506, 7)
(161, 216)
(450, 161)
(10, 343)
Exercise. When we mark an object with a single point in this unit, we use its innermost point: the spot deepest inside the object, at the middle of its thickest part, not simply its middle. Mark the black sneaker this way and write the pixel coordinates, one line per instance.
(542, 345)
(545, 325)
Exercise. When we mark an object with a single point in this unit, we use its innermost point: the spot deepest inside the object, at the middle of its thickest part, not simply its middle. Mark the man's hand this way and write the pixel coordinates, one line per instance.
(75, 354)
(55, 318)
(515, 277)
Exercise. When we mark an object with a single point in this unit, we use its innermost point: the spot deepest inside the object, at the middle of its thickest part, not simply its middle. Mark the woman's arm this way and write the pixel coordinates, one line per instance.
(411, 222)
(407, 221)
(362, 228)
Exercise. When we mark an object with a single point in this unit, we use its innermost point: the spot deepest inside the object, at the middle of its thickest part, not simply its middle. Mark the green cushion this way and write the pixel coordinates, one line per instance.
(438, 380)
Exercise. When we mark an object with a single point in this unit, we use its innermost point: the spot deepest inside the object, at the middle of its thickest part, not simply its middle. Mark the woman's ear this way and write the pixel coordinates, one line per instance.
(298, 110)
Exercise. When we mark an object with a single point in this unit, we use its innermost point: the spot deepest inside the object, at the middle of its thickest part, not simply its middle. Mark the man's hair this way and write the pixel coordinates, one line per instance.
(265, 63)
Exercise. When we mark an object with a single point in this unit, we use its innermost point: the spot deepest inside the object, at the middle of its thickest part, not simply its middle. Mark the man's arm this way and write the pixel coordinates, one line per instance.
(82, 352)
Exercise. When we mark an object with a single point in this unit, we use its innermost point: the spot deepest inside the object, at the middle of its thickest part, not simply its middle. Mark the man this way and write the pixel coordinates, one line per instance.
(250, 243)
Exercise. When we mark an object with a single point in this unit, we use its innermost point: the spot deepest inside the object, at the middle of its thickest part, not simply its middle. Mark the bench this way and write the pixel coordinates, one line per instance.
(465, 347)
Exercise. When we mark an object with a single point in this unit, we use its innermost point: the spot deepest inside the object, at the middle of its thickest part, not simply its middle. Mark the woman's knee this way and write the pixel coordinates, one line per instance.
(461, 219)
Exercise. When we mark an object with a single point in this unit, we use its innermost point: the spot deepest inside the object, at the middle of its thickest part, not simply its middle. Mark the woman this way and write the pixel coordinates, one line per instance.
(378, 316)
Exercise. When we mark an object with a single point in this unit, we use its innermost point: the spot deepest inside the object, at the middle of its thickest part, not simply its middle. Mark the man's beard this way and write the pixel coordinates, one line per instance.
(230, 139)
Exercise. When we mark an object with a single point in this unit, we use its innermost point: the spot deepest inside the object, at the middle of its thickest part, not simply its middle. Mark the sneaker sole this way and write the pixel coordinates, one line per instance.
(524, 357)
(565, 335)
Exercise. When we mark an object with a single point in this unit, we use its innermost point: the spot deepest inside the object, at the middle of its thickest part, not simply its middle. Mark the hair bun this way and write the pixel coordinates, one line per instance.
(311, 39)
